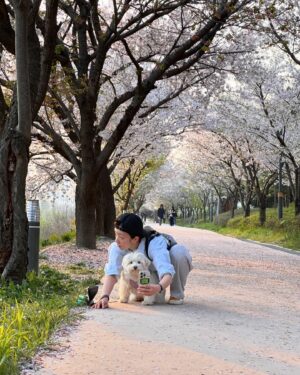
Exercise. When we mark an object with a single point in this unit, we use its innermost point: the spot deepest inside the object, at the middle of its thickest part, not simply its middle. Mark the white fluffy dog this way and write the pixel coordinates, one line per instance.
(132, 264)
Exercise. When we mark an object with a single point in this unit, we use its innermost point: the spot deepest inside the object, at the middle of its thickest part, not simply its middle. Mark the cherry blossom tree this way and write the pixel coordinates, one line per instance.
(280, 20)
(130, 196)
(273, 107)
(257, 120)
(257, 116)
(93, 98)
(32, 74)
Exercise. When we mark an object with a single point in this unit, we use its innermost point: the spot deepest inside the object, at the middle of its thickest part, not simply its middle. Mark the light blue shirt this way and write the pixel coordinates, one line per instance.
(157, 251)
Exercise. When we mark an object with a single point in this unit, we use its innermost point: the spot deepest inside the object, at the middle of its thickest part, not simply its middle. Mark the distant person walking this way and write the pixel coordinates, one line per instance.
(161, 214)
(174, 214)
(171, 219)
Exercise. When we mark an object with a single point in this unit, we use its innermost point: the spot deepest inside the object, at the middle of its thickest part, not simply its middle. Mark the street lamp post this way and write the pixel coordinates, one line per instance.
(33, 215)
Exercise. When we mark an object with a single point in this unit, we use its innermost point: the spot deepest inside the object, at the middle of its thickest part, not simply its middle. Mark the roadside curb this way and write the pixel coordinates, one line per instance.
(274, 247)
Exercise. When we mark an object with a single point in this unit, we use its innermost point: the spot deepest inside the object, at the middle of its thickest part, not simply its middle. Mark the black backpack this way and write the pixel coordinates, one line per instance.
(150, 233)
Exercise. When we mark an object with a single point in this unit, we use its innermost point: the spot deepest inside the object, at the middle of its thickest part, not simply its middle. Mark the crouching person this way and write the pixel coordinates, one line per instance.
(171, 267)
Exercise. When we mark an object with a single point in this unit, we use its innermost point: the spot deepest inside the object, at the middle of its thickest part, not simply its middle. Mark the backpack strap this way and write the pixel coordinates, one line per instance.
(150, 233)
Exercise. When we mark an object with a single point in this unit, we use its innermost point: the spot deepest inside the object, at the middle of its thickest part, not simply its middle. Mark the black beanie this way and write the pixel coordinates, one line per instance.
(131, 224)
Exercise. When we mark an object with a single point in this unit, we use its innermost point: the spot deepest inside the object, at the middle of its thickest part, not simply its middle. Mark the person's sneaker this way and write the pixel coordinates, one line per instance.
(175, 301)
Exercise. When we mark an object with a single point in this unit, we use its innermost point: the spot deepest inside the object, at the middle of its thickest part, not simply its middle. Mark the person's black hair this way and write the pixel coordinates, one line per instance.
(131, 224)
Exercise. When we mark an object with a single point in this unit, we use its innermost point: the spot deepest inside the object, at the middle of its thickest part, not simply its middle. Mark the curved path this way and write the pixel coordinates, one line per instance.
(241, 316)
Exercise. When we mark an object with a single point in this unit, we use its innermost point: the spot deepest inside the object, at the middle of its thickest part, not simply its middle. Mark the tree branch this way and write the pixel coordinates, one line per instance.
(7, 34)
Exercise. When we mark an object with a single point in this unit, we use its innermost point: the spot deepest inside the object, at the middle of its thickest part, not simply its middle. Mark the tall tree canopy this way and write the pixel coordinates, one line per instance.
(110, 59)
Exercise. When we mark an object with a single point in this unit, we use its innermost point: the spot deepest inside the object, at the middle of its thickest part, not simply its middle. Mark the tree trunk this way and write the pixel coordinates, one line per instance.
(139, 203)
(85, 198)
(7, 167)
(297, 191)
(15, 135)
(262, 209)
(247, 210)
(105, 205)
(232, 211)
(125, 205)
(85, 212)
(292, 185)
(234, 201)
(14, 162)
(14, 225)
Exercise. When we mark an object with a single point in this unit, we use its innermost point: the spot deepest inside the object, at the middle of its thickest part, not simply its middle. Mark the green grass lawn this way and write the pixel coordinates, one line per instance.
(285, 232)
(31, 312)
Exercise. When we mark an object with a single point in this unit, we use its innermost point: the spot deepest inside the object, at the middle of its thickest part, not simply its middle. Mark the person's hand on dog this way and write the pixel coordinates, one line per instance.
(148, 290)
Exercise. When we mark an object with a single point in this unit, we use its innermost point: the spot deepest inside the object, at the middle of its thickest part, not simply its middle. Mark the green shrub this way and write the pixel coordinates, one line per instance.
(30, 312)
(56, 220)
(222, 220)
(68, 236)
(80, 268)
(45, 243)
(54, 239)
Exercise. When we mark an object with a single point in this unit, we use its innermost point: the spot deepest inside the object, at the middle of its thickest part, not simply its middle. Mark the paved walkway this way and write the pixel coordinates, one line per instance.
(241, 316)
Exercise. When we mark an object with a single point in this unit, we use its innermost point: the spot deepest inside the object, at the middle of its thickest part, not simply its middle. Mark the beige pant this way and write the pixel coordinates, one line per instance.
(182, 262)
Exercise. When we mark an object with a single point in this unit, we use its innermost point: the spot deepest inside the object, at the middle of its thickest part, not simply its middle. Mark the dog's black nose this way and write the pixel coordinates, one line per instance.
(135, 267)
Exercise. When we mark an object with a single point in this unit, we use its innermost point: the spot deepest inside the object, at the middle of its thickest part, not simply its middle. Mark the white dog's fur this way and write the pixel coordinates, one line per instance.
(133, 263)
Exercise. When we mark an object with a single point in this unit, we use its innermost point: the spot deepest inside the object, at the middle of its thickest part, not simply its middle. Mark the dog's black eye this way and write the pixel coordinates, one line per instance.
(130, 262)
(139, 262)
